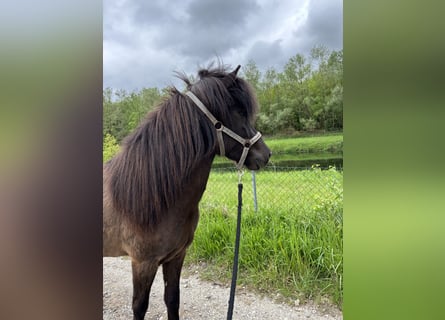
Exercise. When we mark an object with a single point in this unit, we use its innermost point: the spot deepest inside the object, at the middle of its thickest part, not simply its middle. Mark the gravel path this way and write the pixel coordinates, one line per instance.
(199, 299)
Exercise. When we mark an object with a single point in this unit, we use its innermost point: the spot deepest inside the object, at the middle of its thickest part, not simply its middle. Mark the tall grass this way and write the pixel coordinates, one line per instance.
(292, 245)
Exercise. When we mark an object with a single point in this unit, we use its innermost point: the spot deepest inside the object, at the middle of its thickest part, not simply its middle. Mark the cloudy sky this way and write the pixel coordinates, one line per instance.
(146, 41)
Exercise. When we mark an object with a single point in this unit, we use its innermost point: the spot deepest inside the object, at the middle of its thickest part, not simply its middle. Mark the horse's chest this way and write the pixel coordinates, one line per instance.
(169, 239)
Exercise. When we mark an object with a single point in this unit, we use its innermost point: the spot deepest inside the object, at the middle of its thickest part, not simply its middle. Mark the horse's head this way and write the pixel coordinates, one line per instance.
(242, 113)
(230, 104)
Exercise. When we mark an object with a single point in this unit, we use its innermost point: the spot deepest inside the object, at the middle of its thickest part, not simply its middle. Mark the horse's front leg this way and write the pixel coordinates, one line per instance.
(143, 276)
(172, 273)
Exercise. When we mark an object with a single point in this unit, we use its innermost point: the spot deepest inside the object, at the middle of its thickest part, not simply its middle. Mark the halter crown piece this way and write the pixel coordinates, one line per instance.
(220, 128)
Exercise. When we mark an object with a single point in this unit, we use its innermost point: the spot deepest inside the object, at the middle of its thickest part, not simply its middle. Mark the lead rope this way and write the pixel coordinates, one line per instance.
(237, 242)
(247, 144)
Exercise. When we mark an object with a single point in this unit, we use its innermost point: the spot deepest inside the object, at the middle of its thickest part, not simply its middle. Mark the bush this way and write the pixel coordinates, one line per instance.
(308, 124)
(110, 147)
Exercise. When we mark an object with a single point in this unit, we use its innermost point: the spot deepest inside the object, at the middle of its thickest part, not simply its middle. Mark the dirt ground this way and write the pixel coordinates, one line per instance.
(199, 299)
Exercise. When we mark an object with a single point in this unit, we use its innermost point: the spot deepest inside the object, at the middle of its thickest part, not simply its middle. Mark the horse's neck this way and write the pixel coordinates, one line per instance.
(199, 177)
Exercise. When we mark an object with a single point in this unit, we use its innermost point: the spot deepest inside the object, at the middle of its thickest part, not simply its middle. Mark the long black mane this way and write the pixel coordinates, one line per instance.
(156, 159)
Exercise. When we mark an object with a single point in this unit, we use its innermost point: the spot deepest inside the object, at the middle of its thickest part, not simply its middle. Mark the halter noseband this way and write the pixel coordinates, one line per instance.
(220, 128)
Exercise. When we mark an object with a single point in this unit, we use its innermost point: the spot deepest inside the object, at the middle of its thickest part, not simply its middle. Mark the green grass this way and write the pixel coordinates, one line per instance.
(292, 245)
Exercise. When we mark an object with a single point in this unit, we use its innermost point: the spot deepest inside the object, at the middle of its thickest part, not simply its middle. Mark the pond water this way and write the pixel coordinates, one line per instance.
(295, 161)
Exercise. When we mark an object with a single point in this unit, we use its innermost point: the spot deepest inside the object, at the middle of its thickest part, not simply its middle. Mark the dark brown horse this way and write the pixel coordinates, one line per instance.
(152, 187)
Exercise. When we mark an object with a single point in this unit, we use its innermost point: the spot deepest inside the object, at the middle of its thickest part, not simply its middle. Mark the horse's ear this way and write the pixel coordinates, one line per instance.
(234, 72)
(231, 77)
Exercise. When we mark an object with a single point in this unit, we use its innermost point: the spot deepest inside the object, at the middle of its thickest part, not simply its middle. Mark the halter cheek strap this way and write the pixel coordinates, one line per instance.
(220, 128)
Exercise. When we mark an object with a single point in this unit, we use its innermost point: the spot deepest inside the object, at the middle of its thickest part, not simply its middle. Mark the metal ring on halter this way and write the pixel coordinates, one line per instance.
(219, 130)
(247, 145)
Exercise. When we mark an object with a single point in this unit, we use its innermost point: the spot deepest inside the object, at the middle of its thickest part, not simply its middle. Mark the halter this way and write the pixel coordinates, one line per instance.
(220, 128)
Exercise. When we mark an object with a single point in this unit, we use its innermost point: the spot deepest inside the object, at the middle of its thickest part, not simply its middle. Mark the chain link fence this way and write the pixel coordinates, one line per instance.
(290, 189)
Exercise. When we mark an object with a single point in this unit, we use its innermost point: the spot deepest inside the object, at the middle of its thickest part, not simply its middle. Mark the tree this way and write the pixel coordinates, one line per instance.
(110, 147)
(114, 121)
(252, 74)
(306, 95)
(125, 112)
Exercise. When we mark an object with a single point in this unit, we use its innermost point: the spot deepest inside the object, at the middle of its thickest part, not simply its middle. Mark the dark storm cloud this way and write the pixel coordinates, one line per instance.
(146, 41)
(151, 12)
(228, 14)
(324, 25)
(266, 54)
(207, 28)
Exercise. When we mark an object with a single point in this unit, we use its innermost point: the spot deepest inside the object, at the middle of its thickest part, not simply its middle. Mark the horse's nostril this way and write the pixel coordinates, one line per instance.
(270, 154)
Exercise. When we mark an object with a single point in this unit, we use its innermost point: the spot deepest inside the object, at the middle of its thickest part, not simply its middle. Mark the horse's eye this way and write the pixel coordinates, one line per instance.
(242, 113)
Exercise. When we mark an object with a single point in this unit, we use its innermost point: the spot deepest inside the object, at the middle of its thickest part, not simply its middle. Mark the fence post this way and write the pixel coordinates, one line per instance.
(255, 203)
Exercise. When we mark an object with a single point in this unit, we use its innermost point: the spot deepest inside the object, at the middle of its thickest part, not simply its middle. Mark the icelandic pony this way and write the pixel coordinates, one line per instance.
(153, 186)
